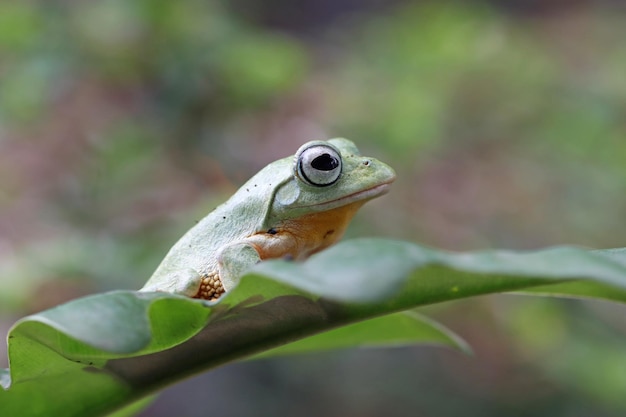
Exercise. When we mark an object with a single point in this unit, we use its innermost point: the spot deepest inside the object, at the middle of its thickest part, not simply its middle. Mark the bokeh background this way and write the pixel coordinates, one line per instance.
(121, 123)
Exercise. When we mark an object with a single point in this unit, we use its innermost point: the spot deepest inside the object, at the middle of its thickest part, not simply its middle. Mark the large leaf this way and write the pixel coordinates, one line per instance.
(109, 350)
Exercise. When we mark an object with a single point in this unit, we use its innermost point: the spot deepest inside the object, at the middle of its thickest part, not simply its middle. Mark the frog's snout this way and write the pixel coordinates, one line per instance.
(382, 173)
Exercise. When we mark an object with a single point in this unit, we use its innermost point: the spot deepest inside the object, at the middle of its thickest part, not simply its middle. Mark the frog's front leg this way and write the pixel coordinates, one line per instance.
(233, 261)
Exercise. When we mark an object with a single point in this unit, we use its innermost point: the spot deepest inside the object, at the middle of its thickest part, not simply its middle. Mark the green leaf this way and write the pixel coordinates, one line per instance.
(398, 329)
(110, 350)
(134, 408)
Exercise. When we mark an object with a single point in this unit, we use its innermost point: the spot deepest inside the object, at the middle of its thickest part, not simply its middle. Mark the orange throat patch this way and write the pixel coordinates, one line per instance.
(303, 236)
(293, 239)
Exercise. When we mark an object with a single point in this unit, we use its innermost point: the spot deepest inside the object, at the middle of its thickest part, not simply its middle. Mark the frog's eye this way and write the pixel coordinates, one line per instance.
(318, 164)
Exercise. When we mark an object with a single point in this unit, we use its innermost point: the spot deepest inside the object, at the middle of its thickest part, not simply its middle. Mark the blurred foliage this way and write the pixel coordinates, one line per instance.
(123, 122)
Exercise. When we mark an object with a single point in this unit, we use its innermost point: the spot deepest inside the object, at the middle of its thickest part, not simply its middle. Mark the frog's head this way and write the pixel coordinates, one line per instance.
(330, 174)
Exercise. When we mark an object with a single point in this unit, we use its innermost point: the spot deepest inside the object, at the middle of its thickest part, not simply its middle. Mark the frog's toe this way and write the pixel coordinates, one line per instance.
(211, 287)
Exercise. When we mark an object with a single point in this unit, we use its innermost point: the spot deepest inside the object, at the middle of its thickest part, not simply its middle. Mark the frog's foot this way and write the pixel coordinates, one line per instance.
(211, 287)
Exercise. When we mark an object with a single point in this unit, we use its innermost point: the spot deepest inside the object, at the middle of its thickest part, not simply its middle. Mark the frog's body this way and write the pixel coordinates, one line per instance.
(289, 209)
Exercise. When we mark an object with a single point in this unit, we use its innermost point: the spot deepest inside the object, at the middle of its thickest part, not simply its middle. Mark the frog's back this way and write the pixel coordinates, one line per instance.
(196, 252)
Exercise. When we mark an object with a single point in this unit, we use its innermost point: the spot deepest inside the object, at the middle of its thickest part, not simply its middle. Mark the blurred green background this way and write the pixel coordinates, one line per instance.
(121, 123)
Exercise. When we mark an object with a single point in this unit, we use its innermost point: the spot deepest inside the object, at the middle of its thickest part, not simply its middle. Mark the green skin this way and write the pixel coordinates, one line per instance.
(227, 239)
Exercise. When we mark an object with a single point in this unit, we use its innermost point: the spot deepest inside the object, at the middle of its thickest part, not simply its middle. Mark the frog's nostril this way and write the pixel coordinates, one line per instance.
(367, 162)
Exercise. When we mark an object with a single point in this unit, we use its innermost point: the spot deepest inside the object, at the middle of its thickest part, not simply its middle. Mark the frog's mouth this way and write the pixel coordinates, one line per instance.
(359, 196)
(367, 194)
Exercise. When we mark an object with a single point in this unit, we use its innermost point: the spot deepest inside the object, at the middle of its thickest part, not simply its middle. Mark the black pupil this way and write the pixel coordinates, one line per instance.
(325, 162)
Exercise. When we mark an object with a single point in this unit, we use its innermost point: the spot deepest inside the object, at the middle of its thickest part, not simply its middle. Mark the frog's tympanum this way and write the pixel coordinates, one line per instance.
(292, 208)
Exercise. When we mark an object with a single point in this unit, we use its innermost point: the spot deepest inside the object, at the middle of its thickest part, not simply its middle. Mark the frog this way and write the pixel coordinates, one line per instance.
(294, 207)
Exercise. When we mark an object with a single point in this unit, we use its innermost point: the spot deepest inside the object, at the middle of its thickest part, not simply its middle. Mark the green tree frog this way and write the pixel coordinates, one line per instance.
(292, 208)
